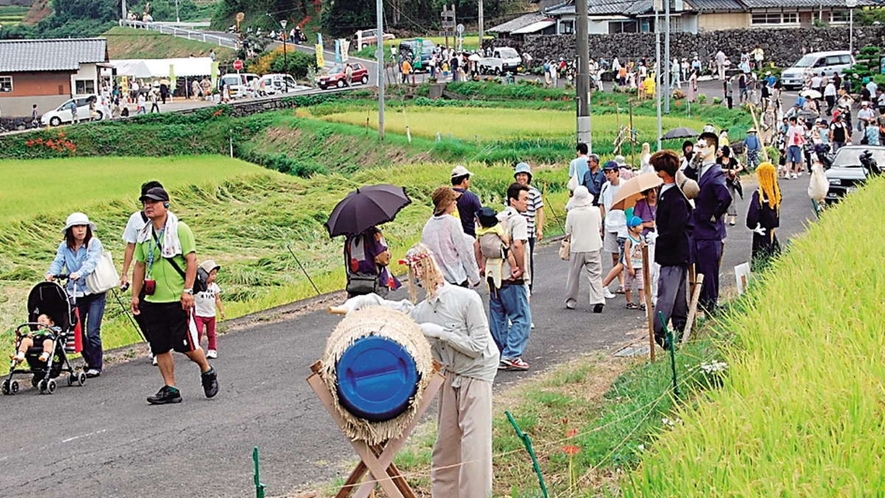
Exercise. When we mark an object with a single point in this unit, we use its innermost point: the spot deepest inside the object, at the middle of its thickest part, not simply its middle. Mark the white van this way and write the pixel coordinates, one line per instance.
(828, 63)
(97, 111)
(240, 84)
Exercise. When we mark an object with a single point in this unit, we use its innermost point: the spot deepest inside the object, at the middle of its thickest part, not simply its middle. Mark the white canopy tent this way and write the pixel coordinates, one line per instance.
(184, 67)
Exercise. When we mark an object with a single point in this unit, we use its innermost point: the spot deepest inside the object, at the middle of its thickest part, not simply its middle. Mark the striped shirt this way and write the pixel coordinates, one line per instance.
(535, 203)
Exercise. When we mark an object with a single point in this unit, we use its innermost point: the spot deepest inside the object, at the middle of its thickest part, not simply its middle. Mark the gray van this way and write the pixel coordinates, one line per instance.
(828, 63)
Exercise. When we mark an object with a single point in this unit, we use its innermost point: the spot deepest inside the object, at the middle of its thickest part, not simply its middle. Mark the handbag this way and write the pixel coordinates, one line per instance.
(359, 284)
(104, 277)
(565, 249)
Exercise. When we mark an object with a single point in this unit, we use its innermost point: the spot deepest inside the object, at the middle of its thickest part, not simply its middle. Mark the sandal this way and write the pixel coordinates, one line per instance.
(620, 290)
(632, 306)
(642, 306)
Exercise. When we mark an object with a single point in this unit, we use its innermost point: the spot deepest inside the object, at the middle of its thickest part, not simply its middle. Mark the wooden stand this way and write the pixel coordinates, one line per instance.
(693, 308)
(376, 459)
(649, 306)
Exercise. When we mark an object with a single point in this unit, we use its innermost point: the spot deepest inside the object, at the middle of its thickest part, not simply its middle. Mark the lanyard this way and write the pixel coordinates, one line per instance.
(155, 238)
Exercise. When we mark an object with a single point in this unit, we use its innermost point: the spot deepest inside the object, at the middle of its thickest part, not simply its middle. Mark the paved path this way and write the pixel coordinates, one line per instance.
(104, 440)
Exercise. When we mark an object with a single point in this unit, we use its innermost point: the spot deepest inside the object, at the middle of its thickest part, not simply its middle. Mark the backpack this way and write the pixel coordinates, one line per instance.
(491, 246)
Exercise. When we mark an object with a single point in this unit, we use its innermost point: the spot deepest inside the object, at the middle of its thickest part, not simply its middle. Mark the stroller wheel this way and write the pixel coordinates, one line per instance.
(13, 388)
(51, 386)
(35, 381)
(81, 378)
(6, 386)
(41, 385)
(71, 379)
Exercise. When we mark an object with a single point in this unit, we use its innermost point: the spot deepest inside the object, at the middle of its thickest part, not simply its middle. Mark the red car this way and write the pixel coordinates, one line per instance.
(336, 77)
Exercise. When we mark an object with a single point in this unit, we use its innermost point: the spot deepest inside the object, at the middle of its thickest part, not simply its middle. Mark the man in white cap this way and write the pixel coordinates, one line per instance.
(468, 202)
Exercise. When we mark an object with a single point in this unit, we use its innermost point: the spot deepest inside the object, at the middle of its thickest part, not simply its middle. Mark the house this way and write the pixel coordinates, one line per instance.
(48, 72)
(689, 16)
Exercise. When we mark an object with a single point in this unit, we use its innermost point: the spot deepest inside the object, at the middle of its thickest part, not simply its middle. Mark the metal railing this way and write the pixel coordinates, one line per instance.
(181, 33)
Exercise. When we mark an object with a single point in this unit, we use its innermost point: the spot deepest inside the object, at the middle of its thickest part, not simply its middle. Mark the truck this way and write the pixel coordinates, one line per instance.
(503, 60)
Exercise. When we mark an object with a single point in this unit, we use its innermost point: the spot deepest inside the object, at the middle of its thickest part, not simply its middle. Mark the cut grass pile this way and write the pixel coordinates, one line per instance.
(244, 217)
(468, 123)
(129, 43)
(802, 410)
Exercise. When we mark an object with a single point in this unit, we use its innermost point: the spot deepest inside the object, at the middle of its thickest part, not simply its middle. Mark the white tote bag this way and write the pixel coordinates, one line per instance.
(105, 276)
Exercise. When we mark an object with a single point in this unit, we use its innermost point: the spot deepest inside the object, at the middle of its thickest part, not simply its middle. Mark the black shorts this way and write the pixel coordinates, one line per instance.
(166, 327)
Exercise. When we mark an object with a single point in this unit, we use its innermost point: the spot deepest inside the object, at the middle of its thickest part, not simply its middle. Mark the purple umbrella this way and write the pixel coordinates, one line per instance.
(366, 207)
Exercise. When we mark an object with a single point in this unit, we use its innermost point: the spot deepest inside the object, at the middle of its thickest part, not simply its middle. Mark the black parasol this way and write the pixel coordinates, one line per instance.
(366, 207)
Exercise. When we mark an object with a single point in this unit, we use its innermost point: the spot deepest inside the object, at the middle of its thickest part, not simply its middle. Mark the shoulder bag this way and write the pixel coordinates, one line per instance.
(565, 248)
(104, 277)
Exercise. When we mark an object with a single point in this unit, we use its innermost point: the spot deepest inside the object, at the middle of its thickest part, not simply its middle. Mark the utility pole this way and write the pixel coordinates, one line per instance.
(667, 72)
(658, 89)
(583, 79)
(481, 25)
(379, 40)
(125, 14)
(283, 23)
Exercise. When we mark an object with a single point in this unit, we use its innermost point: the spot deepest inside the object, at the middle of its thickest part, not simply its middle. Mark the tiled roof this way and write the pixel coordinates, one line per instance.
(519, 22)
(606, 8)
(50, 55)
(716, 5)
(794, 4)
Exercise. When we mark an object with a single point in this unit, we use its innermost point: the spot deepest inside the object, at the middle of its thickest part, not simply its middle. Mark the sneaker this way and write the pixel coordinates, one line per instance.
(165, 396)
(631, 306)
(570, 305)
(212, 354)
(518, 364)
(620, 290)
(210, 383)
(92, 373)
(533, 325)
(598, 308)
(153, 360)
(795, 176)
(607, 293)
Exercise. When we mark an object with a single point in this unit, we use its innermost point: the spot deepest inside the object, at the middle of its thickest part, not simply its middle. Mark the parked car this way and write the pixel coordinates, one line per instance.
(503, 60)
(828, 63)
(849, 172)
(239, 84)
(62, 114)
(409, 48)
(369, 37)
(272, 84)
(335, 77)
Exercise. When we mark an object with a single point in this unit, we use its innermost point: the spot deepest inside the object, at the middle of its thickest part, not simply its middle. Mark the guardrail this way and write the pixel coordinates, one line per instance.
(181, 33)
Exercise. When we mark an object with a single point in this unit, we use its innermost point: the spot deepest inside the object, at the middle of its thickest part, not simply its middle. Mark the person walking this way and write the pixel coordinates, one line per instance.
(468, 202)
(615, 227)
(155, 106)
(510, 317)
(580, 164)
(732, 168)
(445, 237)
(207, 304)
(674, 227)
(453, 320)
(78, 255)
(163, 247)
(795, 140)
(583, 224)
(534, 213)
(593, 178)
(711, 205)
(763, 215)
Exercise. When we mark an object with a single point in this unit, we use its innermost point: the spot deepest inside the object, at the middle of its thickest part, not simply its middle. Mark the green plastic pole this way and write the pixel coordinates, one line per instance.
(669, 335)
(259, 486)
(527, 441)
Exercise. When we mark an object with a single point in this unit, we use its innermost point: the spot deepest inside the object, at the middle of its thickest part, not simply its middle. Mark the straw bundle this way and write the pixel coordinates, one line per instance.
(390, 324)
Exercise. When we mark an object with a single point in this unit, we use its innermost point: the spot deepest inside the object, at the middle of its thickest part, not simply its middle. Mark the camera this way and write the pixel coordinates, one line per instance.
(150, 286)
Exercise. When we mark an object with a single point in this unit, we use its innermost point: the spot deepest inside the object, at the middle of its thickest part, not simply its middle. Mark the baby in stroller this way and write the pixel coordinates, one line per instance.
(45, 333)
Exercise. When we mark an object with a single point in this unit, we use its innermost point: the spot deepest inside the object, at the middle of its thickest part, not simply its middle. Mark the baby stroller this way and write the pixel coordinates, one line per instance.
(47, 298)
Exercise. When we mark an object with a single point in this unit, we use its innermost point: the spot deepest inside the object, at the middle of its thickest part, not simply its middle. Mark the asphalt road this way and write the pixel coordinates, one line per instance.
(103, 440)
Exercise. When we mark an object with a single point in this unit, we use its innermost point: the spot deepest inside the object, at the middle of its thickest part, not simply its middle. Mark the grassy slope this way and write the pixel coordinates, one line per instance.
(801, 412)
(109, 178)
(129, 43)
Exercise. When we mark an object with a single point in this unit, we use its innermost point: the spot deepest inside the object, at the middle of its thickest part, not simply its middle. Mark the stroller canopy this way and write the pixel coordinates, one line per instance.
(49, 298)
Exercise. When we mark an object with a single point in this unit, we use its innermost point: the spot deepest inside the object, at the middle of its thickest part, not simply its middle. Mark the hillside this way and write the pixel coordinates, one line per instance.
(41, 9)
(128, 43)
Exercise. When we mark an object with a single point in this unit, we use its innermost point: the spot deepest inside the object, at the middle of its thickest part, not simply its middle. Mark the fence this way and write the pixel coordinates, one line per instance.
(182, 33)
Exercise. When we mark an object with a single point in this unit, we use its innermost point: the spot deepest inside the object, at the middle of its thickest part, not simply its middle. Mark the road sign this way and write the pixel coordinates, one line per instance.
(238, 64)
(460, 29)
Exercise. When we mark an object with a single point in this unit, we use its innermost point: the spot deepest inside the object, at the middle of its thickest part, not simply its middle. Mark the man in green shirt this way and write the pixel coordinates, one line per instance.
(163, 248)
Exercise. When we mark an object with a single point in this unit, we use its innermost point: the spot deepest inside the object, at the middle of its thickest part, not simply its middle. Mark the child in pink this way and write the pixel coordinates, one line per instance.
(205, 305)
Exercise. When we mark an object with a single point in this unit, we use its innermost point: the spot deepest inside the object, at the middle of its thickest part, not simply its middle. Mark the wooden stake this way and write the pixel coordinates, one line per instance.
(692, 309)
(649, 309)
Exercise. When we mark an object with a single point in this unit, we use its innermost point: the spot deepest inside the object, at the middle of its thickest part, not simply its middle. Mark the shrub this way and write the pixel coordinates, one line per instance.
(702, 99)
(296, 63)
(717, 100)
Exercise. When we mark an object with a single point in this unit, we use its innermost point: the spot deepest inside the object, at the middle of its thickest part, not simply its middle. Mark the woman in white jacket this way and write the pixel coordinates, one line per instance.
(583, 226)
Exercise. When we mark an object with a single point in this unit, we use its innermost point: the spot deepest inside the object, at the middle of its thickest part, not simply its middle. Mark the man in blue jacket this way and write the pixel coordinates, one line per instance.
(673, 224)
(710, 207)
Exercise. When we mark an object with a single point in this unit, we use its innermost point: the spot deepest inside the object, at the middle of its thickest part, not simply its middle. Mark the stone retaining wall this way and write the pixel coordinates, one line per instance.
(782, 46)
